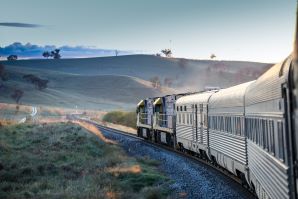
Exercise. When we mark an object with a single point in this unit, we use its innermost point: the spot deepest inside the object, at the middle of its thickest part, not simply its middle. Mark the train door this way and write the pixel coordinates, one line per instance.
(201, 123)
(194, 122)
(149, 111)
(292, 107)
(290, 147)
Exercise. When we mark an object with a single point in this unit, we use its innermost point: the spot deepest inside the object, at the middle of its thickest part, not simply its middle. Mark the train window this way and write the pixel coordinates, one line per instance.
(257, 131)
(180, 108)
(184, 108)
(187, 117)
(271, 137)
(238, 126)
(252, 127)
(221, 123)
(247, 127)
(226, 124)
(261, 133)
(177, 108)
(265, 135)
(281, 153)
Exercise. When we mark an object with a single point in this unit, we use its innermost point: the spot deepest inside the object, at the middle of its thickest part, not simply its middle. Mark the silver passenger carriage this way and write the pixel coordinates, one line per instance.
(145, 117)
(227, 141)
(270, 140)
(192, 123)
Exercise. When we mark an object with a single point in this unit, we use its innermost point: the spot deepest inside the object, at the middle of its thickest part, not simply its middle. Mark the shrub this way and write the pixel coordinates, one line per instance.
(121, 117)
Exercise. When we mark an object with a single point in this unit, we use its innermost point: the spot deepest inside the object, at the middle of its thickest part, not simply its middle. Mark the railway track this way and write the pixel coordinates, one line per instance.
(179, 153)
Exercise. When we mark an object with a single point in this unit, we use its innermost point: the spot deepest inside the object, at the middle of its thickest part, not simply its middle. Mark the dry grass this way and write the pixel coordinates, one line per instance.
(5, 122)
(93, 129)
(66, 161)
(119, 170)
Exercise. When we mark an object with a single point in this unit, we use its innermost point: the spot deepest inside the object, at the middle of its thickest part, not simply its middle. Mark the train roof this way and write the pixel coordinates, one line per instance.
(229, 97)
(268, 85)
(195, 98)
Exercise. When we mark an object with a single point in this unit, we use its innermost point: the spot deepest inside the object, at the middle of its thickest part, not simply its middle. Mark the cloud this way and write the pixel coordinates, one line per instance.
(20, 25)
(29, 51)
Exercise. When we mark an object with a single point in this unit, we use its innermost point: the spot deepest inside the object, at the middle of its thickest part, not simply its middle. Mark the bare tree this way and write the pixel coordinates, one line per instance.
(167, 52)
(17, 95)
(155, 81)
(168, 81)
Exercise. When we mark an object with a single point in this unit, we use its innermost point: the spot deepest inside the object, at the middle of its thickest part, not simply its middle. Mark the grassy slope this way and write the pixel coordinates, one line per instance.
(181, 71)
(120, 82)
(65, 161)
(87, 92)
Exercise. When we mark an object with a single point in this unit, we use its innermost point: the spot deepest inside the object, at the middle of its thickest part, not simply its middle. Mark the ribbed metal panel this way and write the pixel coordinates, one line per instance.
(205, 136)
(189, 132)
(183, 131)
(268, 86)
(263, 99)
(270, 173)
(230, 145)
(228, 98)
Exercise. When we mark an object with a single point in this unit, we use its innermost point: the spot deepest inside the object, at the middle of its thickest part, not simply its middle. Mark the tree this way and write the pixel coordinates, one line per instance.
(168, 81)
(157, 55)
(46, 54)
(17, 95)
(155, 81)
(167, 52)
(212, 56)
(12, 57)
(39, 83)
(3, 73)
(116, 53)
(55, 54)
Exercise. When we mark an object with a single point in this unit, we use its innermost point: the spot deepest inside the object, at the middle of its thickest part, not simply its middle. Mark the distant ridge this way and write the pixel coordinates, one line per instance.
(119, 82)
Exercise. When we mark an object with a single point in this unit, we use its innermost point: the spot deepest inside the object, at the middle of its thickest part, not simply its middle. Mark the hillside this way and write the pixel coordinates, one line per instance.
(120, 82)
(177, 73)
(100, 92)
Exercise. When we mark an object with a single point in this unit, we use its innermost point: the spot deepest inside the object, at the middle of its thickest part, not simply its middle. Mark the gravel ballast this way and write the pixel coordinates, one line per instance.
(191, 179)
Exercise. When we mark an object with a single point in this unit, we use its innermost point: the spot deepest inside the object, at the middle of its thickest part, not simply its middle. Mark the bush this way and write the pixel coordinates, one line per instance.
(120, 117)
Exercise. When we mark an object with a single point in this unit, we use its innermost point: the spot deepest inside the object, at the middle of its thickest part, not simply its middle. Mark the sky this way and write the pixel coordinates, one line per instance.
(254, 30)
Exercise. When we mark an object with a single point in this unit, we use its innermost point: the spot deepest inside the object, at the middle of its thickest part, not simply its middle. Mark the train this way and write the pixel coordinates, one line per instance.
(247, 129)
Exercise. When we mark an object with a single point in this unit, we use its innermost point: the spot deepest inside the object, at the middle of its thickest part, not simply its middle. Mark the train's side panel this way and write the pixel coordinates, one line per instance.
(184, 128)
(145, 118)
(191, 123)
(227, 141)
(164, 119)
(266, 124)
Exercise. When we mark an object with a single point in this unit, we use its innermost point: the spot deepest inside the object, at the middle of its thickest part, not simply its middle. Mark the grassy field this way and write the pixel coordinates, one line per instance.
(66, 161)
